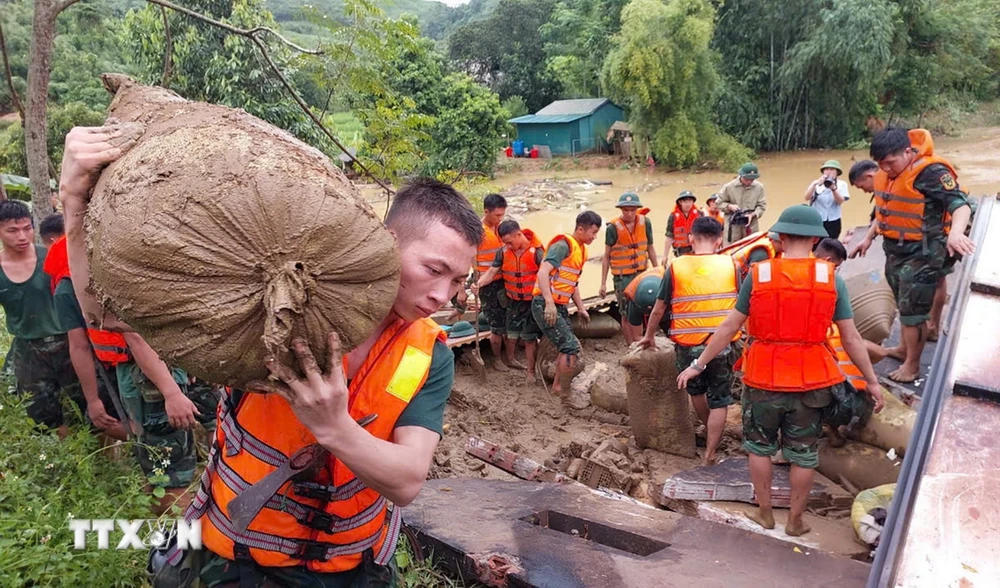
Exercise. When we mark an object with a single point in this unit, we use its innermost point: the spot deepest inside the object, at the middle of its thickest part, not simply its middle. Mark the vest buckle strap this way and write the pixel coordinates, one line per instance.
(312, 551)
(319, 520)
(314, 490)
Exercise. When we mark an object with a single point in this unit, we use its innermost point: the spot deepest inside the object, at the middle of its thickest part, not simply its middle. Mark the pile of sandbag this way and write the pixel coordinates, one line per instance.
(219, 238)
(873, 304)
(658, 410)
(874, 456)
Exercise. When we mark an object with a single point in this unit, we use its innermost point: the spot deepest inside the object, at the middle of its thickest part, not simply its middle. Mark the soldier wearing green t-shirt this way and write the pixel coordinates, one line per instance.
(40, 352)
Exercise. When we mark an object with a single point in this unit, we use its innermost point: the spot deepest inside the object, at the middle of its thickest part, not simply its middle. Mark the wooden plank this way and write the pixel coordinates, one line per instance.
(512, 463)
(594, 302)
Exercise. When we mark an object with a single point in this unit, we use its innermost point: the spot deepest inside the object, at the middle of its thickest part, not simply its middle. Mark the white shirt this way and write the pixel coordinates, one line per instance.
(824, 203)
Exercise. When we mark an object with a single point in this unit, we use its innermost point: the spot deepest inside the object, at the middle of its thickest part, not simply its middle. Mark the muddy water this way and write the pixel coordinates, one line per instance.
(785, 177)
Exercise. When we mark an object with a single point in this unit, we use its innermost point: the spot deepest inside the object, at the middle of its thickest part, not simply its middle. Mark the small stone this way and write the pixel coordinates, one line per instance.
(600, 347)
(476, 467)
(443, 460)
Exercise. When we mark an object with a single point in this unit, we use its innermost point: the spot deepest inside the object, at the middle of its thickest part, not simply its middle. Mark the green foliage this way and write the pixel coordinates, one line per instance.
(576, 39)
(419, 574)
(61, 120)
(515, 106)
(44, 482)
(502, 52)
(661, 69)
(212, 65)
(468, 132)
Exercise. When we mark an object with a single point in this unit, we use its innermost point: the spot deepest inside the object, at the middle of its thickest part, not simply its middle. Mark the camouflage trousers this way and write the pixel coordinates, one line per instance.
(493, 305)
(561, 333)
(849, 408)
(797, 415)
(44, 372)
(218, 572)
(913, 274)
(520, 324)
(621, 283)
(716, 382)
(167, 455)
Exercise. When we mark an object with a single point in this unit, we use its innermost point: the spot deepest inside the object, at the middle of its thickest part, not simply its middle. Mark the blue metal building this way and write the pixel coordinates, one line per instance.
(569, 127)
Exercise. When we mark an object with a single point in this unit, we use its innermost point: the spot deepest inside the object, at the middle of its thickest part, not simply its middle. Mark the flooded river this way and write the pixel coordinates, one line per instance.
(785, 177)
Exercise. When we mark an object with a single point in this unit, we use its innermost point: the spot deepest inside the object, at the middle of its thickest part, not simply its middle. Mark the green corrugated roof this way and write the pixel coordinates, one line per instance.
(540, 119)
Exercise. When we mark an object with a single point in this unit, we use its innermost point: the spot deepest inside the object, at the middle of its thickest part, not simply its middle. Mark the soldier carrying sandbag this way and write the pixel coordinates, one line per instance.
(299, 480)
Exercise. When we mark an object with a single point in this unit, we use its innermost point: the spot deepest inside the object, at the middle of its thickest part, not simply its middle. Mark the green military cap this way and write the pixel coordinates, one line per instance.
(461, 329)
(645, 293)
(801, 220)
(832, 164)
(749, 171)
(628, 199)
(686, 194)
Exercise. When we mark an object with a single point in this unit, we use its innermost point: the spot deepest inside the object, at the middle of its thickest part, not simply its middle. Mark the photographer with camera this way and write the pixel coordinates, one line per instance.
(743, 202)
(826, 194)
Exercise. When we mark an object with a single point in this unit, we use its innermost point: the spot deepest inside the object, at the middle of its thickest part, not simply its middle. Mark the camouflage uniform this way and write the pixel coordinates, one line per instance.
(561, 333)
(913, 268)
(167, 455)
(622, 282)
(218, 572)
(849, 407)
(716, 382)
(493, 304)
(520, 323)
(798, 415)
(43, 370)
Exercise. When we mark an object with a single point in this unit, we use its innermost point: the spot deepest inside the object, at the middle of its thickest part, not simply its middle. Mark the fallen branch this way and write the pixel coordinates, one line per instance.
(252, 35)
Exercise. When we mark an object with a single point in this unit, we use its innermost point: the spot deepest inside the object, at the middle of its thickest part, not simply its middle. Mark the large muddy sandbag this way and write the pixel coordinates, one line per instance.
(658, 410)
(860, 465)
(873, 304)
(889, 429)
(601, 326)
(219, 238)
(603, 395)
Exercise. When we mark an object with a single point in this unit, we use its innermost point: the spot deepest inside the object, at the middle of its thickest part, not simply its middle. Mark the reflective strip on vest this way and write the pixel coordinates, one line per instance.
(629, 258)
(238, 439)
(519, 284)
(388, 550)
(289, 547)
(487, 251)
(704, 292)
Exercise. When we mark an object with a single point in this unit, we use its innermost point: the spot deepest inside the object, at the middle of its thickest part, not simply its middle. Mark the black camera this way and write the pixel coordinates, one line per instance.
(828, 182)
(740, 218)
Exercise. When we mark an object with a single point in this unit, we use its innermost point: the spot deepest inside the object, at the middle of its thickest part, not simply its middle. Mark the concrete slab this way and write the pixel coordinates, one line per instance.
(828, 535)
(551, 535)
(730, 480)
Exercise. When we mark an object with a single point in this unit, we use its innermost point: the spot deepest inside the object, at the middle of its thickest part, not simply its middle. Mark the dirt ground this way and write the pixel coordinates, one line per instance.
(529, 420)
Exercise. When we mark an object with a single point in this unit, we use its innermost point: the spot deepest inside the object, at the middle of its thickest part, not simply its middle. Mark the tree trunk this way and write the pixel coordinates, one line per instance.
(36, 119)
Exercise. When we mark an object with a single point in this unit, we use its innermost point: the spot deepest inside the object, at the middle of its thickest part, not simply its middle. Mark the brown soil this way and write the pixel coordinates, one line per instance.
(220, 238)
(532, 422)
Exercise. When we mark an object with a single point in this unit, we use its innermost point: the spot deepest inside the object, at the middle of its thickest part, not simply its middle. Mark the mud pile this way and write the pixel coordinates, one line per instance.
(219, 238)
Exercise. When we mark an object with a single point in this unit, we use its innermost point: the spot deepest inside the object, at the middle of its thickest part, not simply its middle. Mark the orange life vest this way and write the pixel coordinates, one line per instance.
(854, 375)
(563, 279)
(630, 254)
(899, 207)
(717, 215)
(704, 290)
(657, 271)
(520, 272)
(682, 226)
(328, 523)
(109, 347)
(741, 250)
(487, 250)
(791, 310)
